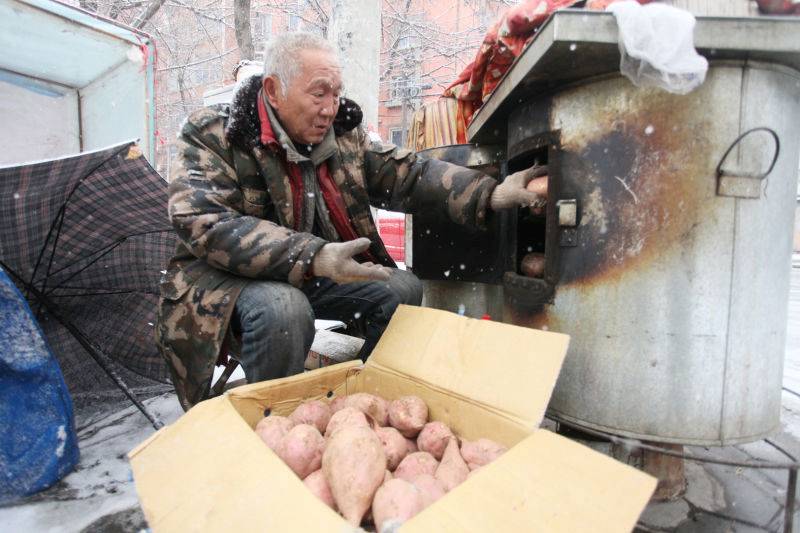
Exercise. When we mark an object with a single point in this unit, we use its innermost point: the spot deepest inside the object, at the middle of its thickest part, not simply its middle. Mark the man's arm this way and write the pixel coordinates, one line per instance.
(205, 207)
(398, 180)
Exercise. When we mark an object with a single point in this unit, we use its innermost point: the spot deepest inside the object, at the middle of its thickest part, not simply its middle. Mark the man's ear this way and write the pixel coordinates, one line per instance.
(272, 89)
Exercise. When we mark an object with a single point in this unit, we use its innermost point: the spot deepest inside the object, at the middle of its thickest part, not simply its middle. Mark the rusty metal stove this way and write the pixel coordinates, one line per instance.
(666, 261)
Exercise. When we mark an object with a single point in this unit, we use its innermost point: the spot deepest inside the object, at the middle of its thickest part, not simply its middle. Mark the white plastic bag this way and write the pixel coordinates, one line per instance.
(657, 46)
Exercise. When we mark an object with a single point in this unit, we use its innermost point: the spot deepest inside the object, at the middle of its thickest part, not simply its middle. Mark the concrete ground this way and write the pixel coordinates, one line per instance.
(100, 495)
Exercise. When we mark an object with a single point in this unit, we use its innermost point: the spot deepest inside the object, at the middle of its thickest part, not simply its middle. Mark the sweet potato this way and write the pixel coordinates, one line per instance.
(415, 464)
(430, 487)
(539, 186)
(411, 446)
(345, 417)
(369, 404)
(481, 452)
(272, 429)
(385, 403)
(395, 502)
(355, 466)
(452, 471)
(394, 445)
(532, 265)
(318, 486)
(434, 438)
(301, 449)
(408, 415)
(314, 412)
(337, 404)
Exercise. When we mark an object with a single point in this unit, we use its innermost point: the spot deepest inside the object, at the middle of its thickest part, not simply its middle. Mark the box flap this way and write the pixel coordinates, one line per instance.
(545, 483)
(506, 368)
(209, 471)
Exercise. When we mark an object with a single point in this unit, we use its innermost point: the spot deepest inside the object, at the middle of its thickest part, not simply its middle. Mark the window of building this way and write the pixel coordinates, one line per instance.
(203, 73)
(406, 42)
(172, 80)
(408, 37)
(408, 88)
(259, 49)
(294, 22)
(397, 136)
(262, 26)
(484, 17)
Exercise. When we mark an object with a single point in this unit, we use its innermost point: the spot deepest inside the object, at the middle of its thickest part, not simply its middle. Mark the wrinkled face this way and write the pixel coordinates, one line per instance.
(311, 101)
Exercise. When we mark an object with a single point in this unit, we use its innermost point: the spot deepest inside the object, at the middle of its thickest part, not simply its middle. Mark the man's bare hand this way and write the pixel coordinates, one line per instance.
(513, 191)
(335, 261)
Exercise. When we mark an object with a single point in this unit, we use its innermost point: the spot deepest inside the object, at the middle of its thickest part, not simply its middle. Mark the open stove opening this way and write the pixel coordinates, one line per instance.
(530, 224)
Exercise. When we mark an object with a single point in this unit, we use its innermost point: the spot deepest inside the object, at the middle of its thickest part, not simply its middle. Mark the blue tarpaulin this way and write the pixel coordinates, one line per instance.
(38, 444)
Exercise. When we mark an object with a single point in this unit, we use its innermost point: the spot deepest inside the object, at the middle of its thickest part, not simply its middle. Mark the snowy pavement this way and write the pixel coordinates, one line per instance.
(100, 495)
(102, 484)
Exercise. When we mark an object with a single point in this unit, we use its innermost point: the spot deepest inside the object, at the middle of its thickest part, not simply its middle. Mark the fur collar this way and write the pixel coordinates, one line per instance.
(243, 127)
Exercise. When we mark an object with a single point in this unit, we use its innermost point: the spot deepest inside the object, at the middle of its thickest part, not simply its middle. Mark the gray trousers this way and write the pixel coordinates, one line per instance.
(276, 320)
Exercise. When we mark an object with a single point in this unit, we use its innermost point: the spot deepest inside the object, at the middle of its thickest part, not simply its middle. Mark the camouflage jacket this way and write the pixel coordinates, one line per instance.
(230, 203)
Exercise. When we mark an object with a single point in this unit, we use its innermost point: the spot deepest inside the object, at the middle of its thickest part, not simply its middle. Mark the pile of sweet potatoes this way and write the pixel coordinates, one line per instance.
(374, 461)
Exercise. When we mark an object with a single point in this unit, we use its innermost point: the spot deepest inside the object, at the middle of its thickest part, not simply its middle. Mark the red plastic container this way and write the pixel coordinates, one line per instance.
(392, 231)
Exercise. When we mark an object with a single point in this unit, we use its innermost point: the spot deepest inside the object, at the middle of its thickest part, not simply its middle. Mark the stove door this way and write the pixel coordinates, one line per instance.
(537, 236)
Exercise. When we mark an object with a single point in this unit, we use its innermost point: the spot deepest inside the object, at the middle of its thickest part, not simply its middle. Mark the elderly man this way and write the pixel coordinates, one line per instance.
(270, 200)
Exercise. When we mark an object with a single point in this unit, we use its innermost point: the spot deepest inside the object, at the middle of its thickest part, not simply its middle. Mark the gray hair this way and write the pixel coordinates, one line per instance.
(282, 51)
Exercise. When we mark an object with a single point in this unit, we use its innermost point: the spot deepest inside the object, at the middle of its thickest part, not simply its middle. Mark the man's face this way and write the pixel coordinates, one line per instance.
(310, 104)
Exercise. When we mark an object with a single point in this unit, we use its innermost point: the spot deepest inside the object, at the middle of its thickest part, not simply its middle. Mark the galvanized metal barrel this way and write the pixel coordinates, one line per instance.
(674, 286)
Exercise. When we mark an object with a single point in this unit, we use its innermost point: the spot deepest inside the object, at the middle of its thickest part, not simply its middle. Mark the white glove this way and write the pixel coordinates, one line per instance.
(512, 192)
(335, 261)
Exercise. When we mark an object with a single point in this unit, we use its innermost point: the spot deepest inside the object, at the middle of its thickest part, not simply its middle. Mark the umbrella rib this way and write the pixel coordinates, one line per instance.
(111, 247)
(59, 220)
(104, 293)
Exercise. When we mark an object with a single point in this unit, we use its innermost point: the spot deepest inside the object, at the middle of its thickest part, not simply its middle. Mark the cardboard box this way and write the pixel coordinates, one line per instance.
(210, 472)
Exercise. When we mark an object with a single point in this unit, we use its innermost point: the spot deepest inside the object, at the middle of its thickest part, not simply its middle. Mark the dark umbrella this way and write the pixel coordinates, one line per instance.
(85, 239)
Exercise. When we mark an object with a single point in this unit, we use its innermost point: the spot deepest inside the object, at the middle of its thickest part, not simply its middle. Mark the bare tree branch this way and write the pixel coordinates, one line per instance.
(198, 62)
(147, 14)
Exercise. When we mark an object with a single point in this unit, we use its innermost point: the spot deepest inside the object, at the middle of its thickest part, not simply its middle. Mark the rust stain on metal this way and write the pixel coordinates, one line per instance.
(638, 184)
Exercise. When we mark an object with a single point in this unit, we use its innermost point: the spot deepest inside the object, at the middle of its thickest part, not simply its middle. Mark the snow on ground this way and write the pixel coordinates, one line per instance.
(102, 483)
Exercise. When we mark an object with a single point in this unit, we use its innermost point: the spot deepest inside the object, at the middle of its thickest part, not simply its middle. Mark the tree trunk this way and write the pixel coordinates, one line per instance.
(355, 32)
(241, 25)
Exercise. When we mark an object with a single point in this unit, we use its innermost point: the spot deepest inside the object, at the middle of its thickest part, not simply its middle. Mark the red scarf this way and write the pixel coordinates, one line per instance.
(330, 192)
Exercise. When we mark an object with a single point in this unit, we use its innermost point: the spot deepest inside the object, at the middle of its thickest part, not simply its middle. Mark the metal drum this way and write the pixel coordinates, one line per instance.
(673, 282)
